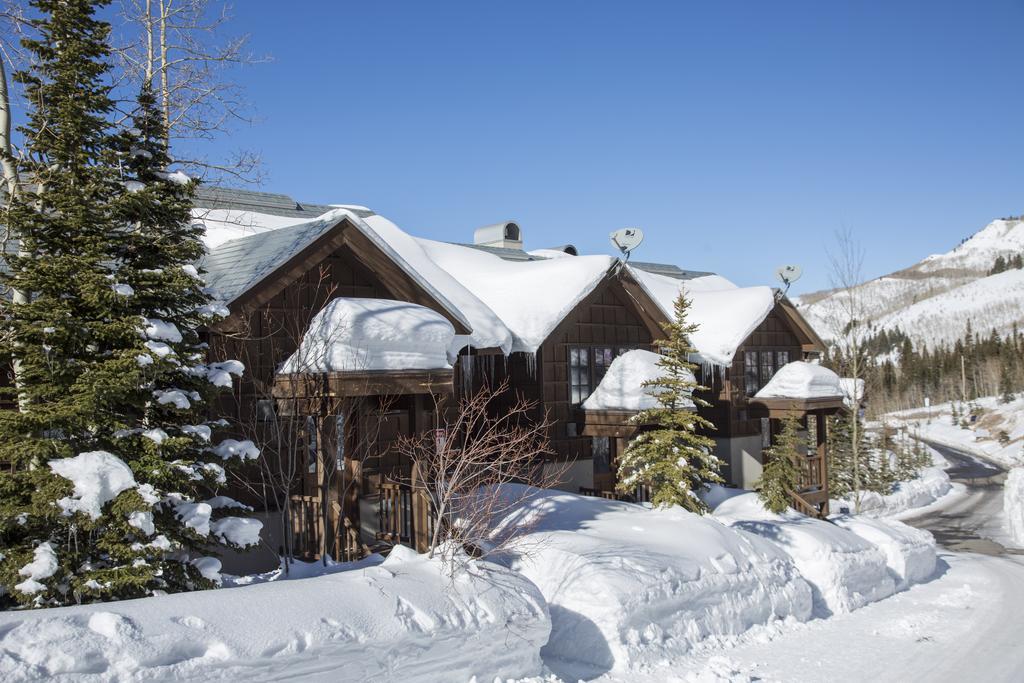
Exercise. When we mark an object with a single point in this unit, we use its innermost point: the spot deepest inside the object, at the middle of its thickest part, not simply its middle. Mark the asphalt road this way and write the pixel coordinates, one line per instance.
(967, 525)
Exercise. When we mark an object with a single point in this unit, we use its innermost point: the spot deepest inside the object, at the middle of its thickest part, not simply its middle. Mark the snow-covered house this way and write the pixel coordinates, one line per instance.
(359, 333)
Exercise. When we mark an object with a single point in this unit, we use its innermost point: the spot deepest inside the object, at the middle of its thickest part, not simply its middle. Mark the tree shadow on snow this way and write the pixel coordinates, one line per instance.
(582, 653)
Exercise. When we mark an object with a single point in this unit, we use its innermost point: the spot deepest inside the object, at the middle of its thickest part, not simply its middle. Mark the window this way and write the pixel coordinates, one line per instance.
(311, 444)
(750, 372)
(781, 358)
(603, 356)
(601, 449)
(587, 367)
(579, 374)
(767, 366)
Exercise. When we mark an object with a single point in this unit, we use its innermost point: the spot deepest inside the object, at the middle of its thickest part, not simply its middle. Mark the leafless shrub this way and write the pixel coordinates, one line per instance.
(479, 471)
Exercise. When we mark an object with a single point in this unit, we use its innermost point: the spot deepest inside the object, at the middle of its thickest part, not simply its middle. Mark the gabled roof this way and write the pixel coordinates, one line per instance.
(669, 270)
(726, 314)
(530, 297)
(240, 266)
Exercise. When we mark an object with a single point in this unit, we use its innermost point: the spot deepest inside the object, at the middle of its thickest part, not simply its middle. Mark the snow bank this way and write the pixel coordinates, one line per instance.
(1013, 504)
(530, 297)
(726, 314)
(372, 334)
(801, 379)
(909, 552)
(845, 570)
(98, 476)
(931, 484)
(622, 386)
(629, 585)
(403, 619)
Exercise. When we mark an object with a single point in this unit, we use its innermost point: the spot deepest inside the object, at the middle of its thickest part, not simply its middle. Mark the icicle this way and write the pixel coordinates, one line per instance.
(467, 375)
(531, 364)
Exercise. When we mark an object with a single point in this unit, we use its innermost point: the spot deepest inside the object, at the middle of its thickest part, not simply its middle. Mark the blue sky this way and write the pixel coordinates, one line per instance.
(738, 135)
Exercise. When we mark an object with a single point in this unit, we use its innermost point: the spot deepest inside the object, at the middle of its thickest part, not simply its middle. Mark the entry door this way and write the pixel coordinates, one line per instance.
(602, 449)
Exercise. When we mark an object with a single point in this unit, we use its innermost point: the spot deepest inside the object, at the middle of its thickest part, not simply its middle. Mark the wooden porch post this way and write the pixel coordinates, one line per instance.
(822, 430)
(420, 503)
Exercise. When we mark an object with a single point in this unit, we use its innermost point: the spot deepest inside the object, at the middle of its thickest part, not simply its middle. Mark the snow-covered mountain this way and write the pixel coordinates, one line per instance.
(933, 300)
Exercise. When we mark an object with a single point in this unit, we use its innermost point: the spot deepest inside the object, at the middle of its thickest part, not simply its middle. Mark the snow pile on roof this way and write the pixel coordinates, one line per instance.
(402, 619)
(726, 314)
(909, 552)
(846, 571)
(372, 334)
(98, 476)
(548, 253)
(488, 330)
(628, 586)
(1013, 504)
(530, 297)
(803, 380)
(622, 386)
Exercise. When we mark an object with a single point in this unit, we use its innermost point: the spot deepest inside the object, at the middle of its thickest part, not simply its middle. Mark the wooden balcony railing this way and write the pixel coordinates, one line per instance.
(313, 534)
(813, 477)
(406, 516)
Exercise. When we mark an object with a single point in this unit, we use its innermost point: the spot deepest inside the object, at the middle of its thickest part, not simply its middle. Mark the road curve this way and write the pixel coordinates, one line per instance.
(969, 524)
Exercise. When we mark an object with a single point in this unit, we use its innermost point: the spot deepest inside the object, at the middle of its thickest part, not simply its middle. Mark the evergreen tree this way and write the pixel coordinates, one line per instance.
(109, 454)
(1006, 394)
(672, 458)
(781, 474)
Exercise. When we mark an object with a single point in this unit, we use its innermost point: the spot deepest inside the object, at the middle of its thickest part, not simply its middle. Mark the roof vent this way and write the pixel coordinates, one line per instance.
(507, 235)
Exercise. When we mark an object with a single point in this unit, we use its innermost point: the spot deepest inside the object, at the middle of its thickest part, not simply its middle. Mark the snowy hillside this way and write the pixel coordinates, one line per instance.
(932, 300)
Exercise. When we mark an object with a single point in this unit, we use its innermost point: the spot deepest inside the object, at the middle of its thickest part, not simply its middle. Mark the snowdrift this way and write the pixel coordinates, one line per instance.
(402, 619)
(845, 570)
(628, 586)
(909, 552)
(1013, 504)
(930, 485)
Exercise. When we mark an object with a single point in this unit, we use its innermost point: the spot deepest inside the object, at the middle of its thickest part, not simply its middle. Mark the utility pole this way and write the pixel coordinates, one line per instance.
(963, 379)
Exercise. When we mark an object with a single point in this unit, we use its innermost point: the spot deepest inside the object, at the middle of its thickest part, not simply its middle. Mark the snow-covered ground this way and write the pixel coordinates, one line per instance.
(960, 626)
(402, 618)
(931, 485)
(982, 438)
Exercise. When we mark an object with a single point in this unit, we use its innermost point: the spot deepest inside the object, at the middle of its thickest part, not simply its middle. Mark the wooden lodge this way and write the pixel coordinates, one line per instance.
(328, 436)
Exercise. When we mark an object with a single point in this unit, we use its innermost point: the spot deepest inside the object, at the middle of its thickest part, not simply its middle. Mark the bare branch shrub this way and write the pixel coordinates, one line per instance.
(467, 472)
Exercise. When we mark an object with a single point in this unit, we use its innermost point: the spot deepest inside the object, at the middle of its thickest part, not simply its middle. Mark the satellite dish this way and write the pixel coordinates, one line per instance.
(627, 239)
(787, 275)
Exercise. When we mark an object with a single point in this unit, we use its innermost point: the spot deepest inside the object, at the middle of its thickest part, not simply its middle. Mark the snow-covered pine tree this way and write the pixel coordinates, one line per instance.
(781, 474)
(672, 458)
(107, 457)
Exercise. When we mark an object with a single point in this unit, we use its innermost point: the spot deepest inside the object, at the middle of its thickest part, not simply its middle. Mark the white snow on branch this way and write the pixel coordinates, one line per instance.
(175, 397)
(220, 373)
(156, 435)
(123, 290)
(143, 521)
(98, 476)
(240, 531)
(193, 515)
(231, 448)
(226, 502)
(176, 177)
(202, 431)
(161, 330)
(43, 566)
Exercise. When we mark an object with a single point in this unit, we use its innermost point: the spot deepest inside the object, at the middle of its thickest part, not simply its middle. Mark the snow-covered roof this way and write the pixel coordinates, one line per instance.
(530, 297)
(237, 265)
(351, 334)
(622, 386)
(488, 329)
(802, 380)
(726, 314)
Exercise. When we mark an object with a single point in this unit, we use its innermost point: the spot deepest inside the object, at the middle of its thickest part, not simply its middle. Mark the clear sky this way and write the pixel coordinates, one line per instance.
(738, 135)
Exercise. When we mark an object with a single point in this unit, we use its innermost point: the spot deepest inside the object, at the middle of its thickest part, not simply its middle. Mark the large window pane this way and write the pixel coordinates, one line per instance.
(750, 372)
